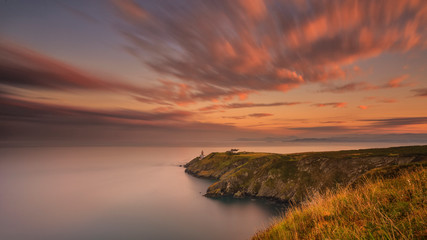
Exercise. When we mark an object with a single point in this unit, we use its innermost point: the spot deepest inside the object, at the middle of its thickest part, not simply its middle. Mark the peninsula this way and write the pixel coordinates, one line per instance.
(294, 177)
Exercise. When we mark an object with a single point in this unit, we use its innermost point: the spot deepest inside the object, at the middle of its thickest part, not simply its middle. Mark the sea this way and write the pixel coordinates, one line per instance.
(130, 193)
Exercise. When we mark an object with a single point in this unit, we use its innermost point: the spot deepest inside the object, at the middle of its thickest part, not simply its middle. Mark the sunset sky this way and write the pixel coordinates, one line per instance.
(158, 72)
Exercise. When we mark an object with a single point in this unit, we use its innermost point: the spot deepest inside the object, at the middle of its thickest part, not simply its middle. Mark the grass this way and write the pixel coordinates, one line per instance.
(372, 152)
(216, 164)
(377, 208)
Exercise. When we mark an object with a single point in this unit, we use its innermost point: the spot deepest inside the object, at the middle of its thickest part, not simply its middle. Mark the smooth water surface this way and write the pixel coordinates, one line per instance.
(88, 193)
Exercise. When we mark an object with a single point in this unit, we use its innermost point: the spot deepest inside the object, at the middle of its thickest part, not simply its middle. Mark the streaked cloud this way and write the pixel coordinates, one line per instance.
(420, 92)
(77, 12)
(364, 86)
(260, 115)
(271, 45)
(24, 68)
(395, 122)
(247, 105)
(131, 10)
(419, 138)
(252, 115)
(337, 129)
(27, 111)
(397, 82)
(350, 87)
(380, 99)
(331, 104)
(33, 123)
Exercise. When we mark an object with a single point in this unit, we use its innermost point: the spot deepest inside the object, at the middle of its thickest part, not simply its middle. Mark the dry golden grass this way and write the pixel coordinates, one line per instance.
(377, 209)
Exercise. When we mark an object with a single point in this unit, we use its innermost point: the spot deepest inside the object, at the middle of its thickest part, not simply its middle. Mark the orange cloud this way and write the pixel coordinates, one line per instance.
(252, 58)
(254, 8)
(243, 96)
(358, 19)
(272, 45)
(397, 82)
(224, 50)
(244, 47)
(286, 87)
(288, 74)
(363, 107)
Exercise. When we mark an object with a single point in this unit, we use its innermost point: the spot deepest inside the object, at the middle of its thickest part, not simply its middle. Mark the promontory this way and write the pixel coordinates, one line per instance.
(292, 177)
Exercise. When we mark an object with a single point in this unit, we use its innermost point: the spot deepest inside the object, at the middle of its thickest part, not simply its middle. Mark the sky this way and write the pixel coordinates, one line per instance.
(188, 72)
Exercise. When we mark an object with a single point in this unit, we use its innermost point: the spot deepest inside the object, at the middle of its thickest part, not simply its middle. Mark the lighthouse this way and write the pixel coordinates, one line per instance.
(202, 155)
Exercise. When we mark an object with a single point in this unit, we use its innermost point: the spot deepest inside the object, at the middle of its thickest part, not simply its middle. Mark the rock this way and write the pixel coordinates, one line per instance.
(238, 194)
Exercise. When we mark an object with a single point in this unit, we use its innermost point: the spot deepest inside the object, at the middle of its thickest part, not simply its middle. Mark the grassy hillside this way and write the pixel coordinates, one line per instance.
(216, 164)
(295, 176)
(378, 208)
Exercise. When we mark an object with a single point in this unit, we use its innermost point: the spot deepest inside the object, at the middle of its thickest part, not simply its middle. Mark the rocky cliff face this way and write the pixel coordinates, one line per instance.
(288, 177)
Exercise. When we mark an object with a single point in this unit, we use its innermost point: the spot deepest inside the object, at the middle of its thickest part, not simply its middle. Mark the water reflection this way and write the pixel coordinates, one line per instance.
(272, 207)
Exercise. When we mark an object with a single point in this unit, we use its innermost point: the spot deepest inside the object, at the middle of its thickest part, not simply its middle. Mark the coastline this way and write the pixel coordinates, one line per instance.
(286, 178)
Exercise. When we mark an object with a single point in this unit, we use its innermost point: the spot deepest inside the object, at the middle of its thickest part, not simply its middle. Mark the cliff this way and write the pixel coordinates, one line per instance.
(292, 177)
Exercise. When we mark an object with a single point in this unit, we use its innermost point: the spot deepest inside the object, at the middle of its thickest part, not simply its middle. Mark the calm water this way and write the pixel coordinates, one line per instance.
(120, 193)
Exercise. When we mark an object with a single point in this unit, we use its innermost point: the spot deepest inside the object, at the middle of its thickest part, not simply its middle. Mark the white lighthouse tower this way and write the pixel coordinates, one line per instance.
(202, 155)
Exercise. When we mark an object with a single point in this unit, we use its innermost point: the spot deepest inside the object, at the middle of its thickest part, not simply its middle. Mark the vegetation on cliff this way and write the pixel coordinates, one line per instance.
(377, 208)
(295, 176)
